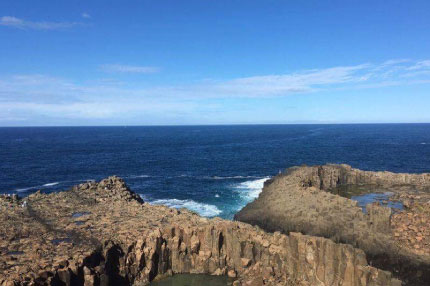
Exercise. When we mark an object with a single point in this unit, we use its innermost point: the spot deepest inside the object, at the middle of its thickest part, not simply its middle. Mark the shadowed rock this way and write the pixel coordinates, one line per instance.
(310, 200)
(123, 241)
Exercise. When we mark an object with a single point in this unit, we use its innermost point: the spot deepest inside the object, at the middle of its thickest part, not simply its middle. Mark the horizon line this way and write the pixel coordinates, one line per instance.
(222, 124)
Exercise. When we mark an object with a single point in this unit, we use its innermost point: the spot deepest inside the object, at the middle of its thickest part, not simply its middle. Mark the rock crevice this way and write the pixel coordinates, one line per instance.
(306, 199)
(122, 240)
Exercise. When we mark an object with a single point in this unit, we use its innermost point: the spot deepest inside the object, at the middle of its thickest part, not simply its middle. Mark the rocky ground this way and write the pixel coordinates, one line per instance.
(310, 200)
(411, 228)
(104, 234)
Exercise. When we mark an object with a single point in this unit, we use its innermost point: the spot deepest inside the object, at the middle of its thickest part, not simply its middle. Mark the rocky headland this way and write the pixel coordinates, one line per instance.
(104, 234)
(316, 201)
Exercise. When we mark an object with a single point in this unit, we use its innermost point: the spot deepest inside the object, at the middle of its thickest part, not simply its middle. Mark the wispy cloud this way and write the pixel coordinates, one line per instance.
(18, 23)
(115, 68)
(420, 65)
(299, 82)
(86, 15)
(21, 95)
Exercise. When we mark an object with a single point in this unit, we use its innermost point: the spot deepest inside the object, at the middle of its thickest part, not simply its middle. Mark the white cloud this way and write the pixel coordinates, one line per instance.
(395, 62)
(420, 65)
(115, 68)
(11, 21)
(23, 95)
(96, 110)
(86, 15)
(299, 82)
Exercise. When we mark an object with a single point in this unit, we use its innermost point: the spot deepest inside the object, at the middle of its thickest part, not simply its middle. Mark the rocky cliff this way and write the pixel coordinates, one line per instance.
(104, 234)
(314, 200)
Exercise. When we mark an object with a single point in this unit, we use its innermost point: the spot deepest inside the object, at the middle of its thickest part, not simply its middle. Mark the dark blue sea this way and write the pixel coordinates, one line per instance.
(213, 170)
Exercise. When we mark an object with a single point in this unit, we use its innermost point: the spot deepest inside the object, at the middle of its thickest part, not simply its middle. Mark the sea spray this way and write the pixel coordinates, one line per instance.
(202, 209)
(249, 190)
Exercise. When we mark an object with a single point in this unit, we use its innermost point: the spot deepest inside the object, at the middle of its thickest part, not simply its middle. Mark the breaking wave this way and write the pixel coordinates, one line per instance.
(36, 187)
(137, 176)
(228, 177)
(200, 208)
(50, 184)
(25, 189)
(249, 190)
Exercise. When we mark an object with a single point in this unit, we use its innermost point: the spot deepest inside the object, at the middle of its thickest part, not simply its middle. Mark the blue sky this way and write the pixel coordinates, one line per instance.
(213, 62)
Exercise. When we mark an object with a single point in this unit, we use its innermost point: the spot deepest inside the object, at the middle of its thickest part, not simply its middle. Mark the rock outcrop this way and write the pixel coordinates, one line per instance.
(310, 200)
(104, 234)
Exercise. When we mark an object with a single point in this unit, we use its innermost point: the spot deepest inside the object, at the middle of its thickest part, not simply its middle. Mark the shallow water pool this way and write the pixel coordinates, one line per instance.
(381, 198)
(367, 194)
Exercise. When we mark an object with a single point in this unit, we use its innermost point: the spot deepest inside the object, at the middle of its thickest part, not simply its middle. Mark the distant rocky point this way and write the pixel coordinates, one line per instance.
(104, 234)
(324, 201)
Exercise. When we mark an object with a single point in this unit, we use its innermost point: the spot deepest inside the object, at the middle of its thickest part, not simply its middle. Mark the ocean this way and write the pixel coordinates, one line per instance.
(212, 170)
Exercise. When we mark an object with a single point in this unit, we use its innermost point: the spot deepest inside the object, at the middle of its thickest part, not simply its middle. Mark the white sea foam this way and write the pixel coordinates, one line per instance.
(216, 196)
(36, 187)
(200, 208)
(25, 189)
(50, 184)
(423, 143)
(138, 176)
(250, 190)
(230, 177)
(145, 198)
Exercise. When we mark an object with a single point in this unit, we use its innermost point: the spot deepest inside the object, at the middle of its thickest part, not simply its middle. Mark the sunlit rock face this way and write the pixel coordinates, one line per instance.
(104, 234)
(327, 201)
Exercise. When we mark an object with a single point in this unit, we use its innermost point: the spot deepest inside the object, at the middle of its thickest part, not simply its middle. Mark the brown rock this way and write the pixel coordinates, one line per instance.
(245, 262)
(231, 274)
(195, 244)
(139, 242)
(306, 199)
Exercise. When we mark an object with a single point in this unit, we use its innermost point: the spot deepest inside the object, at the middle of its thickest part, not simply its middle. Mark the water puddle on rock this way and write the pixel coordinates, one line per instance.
(80, 214)
(193, 280)
(381, 198)
(57, 241)
(367, 194)
(14, 253)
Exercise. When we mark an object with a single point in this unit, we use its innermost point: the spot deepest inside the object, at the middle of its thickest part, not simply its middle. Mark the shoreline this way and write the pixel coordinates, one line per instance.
(102, 233)
(309, 199)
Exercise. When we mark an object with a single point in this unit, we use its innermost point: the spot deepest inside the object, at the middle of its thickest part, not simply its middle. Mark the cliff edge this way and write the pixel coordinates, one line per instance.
(104, 234)
(316, 200)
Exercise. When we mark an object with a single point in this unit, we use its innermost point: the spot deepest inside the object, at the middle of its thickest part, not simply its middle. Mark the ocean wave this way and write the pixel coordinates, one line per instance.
(249, 190)
(228, 177)
(202, 177)
(423, 143)
(21, 190)
(137, 176)
(50, 184)
(200, 208)
(25, 189)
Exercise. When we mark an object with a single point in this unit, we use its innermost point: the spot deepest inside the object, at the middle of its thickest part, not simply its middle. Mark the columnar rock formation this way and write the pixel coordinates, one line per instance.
(305, 199)
(104, 234)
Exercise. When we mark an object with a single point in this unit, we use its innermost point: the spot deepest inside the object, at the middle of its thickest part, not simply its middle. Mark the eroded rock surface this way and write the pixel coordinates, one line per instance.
(104, 234)
(304, 199)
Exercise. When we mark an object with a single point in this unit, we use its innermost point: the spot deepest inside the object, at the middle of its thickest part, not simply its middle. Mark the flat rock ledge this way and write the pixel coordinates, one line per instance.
(305, 199)
(104, 234)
